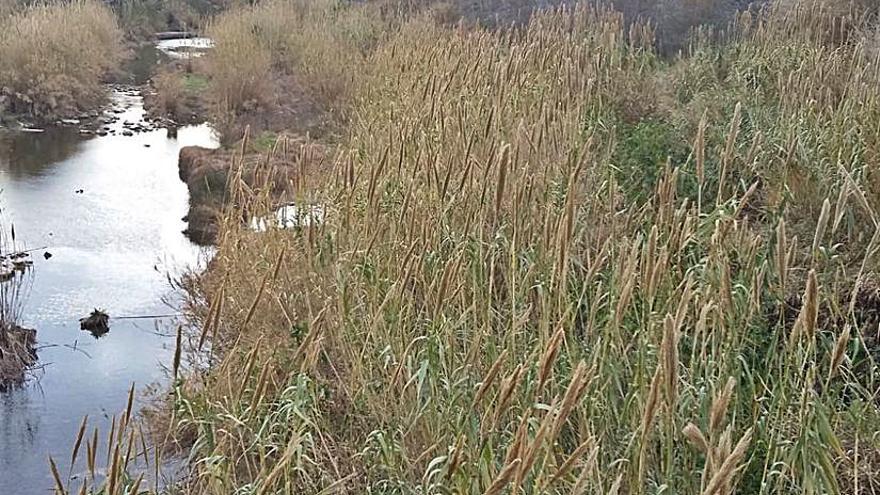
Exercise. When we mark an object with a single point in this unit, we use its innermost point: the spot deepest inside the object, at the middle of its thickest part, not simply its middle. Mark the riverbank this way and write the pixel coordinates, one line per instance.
(209, 175)
(18, 355)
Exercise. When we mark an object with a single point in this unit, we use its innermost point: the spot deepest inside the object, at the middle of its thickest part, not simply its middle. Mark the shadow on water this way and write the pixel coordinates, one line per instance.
(32, 154)
(142, 65)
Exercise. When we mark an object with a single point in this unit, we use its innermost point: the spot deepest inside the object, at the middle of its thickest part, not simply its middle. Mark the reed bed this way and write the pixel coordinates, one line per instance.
(54, 56)
(258, 47)
(554, 262)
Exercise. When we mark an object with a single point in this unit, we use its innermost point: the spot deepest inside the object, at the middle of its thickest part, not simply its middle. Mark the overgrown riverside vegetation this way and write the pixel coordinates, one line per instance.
(289, 64)
(57, 55)
(53, 57)
(552, 262)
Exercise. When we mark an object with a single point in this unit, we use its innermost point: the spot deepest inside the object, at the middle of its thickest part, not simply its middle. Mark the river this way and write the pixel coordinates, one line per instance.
(113, 246)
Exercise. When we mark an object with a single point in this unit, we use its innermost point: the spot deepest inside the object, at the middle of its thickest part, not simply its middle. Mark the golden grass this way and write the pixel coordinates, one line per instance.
(55, 55)
(318, 43)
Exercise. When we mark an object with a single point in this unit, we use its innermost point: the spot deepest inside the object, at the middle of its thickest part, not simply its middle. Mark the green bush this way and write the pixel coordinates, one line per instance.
(643, 153)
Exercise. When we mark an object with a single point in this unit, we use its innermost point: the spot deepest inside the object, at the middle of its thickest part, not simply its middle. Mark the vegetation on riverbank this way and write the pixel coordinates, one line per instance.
(554, 261)
(54, 57)
(140, 19)
(288, 65)
(18, 353)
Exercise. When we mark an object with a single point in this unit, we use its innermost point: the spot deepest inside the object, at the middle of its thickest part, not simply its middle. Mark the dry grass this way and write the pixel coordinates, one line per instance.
(532, 279)
(55, 55)
(292, 58)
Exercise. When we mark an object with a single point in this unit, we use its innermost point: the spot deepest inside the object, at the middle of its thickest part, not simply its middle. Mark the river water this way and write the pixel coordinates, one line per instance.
(113, 246)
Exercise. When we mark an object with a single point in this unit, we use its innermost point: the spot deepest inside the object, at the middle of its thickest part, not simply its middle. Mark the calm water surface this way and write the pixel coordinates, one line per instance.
(112, 246)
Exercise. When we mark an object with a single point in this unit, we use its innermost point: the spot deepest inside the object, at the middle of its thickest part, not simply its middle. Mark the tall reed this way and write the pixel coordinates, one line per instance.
(552, 261)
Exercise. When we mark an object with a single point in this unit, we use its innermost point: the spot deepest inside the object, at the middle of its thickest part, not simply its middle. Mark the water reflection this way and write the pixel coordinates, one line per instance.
(25, 154)
(139, 68)
(185, 48)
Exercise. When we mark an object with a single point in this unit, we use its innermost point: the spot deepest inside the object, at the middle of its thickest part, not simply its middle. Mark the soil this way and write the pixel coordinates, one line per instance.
(290, 109)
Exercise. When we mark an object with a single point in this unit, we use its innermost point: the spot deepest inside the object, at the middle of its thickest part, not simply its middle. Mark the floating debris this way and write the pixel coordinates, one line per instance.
(98, 323)
(47, 255)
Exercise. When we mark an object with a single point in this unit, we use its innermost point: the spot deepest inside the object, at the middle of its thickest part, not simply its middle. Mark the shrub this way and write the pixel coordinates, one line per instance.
(170, 91)
(240, 65)
(54, 56)
(258, 47)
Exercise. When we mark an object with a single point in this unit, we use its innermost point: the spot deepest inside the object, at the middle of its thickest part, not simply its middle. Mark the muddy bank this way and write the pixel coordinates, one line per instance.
(207, 174)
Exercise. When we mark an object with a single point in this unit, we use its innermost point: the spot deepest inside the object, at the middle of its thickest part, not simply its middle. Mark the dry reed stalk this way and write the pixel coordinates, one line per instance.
(92, 452)
(781, 256)
(77, 444)
(805, 326)
(580, 485)
(629, 276)
(530, 452)
(820, 227)
(695, 436)
(490, 377)
(59, 485)
(573, 458)
(503, 478)
(669, 353)
(573, 393)
(505, 394)
(729, 466)
(517, 448)
(840, 206)
(744, 201)
(648, 415)
(699, 151)
(718, 410)
(548, 358)
(839, 353)
(500, 183)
